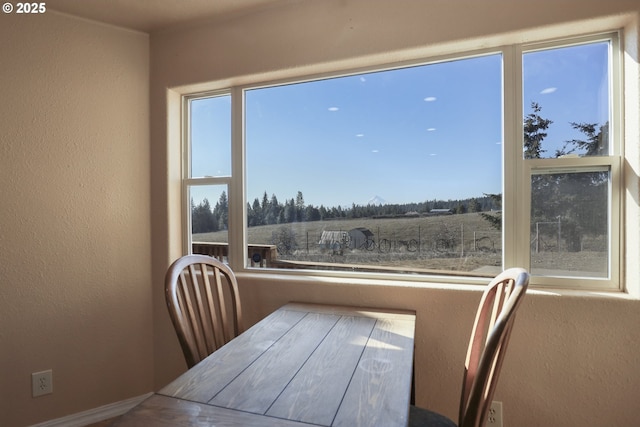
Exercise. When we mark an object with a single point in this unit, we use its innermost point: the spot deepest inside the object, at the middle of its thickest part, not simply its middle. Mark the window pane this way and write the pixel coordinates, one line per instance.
(211, 137)
(210, 220)
(569, 224)
(566, 101)
(391, 170)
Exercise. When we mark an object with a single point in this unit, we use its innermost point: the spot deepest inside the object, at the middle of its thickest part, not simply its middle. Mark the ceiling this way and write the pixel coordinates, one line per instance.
(153, 15)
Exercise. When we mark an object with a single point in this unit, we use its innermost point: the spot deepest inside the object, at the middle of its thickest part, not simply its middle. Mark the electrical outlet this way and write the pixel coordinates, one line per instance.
(495, 414)
(42, 383)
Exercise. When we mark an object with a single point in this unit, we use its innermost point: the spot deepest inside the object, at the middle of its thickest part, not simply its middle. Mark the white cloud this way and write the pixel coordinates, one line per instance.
(430, 98)
(360, 135)
(333, 108)
(362, 79)
(431, 129)
(374, 151)
(548, 90)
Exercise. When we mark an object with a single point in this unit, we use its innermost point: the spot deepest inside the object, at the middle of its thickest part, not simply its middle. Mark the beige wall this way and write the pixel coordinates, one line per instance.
(75, 265)
(573, 358)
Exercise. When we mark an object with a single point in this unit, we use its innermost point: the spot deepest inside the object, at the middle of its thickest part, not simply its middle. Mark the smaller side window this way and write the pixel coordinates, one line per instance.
(570, 155)
(207, 171)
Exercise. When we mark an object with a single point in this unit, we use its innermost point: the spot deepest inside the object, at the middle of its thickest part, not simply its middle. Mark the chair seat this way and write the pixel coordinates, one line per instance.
(420, 417)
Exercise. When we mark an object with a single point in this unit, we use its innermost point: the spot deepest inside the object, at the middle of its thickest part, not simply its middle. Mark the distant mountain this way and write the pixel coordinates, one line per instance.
(376, 200)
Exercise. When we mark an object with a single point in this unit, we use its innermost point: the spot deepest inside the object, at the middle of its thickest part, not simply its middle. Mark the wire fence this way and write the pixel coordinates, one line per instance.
(460, 240)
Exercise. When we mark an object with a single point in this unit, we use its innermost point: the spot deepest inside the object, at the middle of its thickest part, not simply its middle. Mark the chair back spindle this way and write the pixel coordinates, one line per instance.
(204, 305)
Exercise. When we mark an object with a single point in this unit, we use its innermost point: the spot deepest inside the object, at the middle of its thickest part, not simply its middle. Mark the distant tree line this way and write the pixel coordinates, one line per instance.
(269, 211)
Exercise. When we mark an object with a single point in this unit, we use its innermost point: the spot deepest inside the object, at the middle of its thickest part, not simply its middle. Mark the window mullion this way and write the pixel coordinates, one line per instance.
(237, 202)
(616, 108)
(515, 208)
(186, 172)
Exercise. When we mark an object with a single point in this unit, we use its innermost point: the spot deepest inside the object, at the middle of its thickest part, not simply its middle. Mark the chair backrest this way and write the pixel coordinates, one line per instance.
(488, 344)
(200, 291)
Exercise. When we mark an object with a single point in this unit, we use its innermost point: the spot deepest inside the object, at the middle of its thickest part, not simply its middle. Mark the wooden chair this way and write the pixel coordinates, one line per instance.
(486, 351)
(200, 291)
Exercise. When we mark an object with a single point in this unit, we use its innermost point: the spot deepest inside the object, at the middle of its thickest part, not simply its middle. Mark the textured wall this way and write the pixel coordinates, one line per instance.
(74, 215)
(573, 357)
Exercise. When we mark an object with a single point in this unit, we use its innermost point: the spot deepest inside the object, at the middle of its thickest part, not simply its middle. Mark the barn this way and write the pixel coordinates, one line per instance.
(353, 239)
(358, 237)
(333, 240)
(441, 212)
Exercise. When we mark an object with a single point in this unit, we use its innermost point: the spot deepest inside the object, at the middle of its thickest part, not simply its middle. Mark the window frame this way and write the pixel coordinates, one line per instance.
(530, 167)
(188, 181)
(516, 170)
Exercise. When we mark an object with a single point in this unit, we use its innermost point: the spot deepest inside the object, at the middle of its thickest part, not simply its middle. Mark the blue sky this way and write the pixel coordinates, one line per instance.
(392, 134)
(410, 135)
(571, 85)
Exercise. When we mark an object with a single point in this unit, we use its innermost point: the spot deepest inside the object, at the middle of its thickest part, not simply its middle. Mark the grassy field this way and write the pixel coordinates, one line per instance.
(426, 229)
(464, 242)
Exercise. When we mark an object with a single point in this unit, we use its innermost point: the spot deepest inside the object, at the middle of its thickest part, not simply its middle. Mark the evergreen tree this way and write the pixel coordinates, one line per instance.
(474, 205)
(534, 132)
(300, 207)
(312, 213)
(323, 212)
(272, 214)
(495, 219)
(251, 216)
(290, 214)
(595, 144)
(203, 219)
(257, 214)
(221, 212)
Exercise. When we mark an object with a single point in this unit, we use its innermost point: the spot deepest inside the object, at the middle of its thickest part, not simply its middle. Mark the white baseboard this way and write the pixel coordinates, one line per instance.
(95, 415)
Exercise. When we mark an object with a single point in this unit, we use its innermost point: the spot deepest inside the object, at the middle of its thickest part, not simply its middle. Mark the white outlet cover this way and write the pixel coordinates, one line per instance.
(495, 414)
(42, 383)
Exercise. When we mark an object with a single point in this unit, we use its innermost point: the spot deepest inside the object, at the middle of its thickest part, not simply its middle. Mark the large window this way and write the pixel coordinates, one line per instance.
(419, 170)
(388, 169)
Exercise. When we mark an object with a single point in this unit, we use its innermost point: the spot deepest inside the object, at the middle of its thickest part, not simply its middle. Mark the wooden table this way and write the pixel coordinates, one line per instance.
(302, 365)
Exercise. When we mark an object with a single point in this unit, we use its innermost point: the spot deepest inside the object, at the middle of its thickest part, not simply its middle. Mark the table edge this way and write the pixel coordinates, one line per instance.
(348, 310)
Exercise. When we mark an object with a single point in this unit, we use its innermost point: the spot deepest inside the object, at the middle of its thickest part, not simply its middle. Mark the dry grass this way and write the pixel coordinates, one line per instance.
(423, 228)
(400, 236)
(450, 242)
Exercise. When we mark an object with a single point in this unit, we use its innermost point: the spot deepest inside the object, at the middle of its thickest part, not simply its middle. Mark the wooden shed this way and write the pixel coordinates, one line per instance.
(358, 237)
(333, 240)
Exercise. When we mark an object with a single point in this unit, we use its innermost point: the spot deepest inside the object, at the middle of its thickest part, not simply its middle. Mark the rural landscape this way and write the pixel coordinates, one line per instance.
(568, 229)
(441, 243)
(460, 242)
